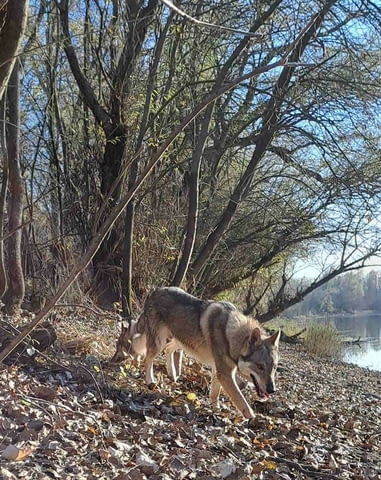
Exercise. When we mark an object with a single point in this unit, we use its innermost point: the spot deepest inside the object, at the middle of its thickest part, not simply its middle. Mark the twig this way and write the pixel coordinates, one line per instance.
(180, 12)
(95, 382)
(29, 398)
(306, 469)
(34, 401)
(9, 234)
(98, 312)
(296, 335)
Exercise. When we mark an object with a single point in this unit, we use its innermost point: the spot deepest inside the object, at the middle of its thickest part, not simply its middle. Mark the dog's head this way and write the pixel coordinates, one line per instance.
(259, 361)
(130, 342)
(136, 340)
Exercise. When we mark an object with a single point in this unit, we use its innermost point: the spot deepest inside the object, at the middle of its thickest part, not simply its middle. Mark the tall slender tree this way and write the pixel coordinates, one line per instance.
(13, 17)
(16, 287)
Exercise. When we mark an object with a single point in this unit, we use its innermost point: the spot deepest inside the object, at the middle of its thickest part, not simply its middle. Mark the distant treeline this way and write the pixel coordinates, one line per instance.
(345, 294)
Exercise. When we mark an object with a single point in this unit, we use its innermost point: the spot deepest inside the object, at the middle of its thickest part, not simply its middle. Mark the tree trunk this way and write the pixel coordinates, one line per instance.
(106, 265)
(128, 239)
(12, 25)
(130, 210)
(193, 201)
(16, 288)
(3, 193)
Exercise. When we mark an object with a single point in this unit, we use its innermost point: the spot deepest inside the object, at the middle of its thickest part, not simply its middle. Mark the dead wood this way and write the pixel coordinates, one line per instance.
(288, 338)
(37, 341)
(355, 341)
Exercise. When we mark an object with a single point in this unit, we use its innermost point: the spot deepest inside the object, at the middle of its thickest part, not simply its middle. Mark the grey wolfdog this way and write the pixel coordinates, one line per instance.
(214, 333)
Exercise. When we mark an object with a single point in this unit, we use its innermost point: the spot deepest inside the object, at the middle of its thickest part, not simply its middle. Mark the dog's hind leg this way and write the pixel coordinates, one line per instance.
(178, 362)
(174, 359)
(156, 342)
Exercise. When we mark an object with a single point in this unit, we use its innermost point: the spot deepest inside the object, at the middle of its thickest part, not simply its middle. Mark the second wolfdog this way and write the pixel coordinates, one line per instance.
(216, 334)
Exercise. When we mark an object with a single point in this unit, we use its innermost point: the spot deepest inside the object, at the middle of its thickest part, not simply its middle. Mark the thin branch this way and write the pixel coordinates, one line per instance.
(9, 234)
(180, 12)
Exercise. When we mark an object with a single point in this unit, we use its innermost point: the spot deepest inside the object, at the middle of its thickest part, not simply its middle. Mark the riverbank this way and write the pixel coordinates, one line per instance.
(363, 326)
(323, 422)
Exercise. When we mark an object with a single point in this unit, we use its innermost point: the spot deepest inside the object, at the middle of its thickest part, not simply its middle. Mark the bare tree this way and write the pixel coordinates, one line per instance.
(269, 171)
(110, 117)
(15, 290)
(12, 25)
(264, 138)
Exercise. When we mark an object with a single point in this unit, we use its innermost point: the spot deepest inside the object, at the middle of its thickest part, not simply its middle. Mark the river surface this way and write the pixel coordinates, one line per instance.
(366, 326)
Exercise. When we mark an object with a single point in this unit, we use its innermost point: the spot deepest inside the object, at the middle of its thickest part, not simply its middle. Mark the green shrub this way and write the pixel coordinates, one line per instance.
(323, 340)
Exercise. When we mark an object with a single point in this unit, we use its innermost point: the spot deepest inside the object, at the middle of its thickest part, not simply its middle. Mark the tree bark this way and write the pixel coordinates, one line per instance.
(3, 193)
(13, 16)
(16, 287)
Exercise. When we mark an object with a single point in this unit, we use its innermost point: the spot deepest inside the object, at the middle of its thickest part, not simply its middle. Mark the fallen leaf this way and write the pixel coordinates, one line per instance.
(15, 454)
(269, 465)
(104, 454)
(45, 393)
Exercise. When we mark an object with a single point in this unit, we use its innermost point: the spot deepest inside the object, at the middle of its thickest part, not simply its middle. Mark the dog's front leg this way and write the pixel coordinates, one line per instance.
(148, 363)
(229, 384)
(215, 389)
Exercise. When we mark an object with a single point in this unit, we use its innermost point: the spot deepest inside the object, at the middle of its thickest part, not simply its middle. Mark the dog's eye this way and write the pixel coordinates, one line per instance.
(260, 367)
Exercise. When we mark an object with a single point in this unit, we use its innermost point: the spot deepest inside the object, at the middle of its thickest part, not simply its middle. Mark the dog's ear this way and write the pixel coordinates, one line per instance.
(274, 339)
(255, 337)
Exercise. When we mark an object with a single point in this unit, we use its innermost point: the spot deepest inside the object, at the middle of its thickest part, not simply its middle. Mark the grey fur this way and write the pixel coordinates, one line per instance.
(215, 333)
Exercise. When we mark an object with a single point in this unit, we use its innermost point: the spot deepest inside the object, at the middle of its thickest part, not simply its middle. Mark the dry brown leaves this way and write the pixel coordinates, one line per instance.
(324, 422)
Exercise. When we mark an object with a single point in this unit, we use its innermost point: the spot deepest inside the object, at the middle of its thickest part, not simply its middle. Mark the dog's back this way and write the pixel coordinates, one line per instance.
(172, 301)
(194, 323)
(171, 312)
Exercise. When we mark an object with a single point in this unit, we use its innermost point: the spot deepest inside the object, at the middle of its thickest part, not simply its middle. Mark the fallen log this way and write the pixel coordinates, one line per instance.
(37, 341)
(355, 341)
(287, 338)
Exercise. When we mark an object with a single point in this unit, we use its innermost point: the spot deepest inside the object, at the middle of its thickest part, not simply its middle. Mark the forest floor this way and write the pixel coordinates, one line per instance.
(69, 416)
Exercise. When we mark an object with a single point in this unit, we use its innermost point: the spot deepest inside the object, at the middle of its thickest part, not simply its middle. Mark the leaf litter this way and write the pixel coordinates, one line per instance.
(323, 422)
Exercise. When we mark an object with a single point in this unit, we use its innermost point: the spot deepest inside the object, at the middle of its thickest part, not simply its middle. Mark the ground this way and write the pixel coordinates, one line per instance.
(65, 421)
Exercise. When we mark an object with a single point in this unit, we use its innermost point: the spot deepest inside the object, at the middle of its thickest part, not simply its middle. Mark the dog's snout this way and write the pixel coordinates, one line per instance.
(270, 387)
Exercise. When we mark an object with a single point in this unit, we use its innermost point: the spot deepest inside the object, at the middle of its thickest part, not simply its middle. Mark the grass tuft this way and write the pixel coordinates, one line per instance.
(323, 340)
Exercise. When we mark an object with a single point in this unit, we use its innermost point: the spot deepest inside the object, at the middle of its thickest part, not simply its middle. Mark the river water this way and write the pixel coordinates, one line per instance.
(368, 327)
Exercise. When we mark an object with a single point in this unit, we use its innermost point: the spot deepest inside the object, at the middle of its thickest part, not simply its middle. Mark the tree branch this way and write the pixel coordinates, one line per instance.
(86, 90)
